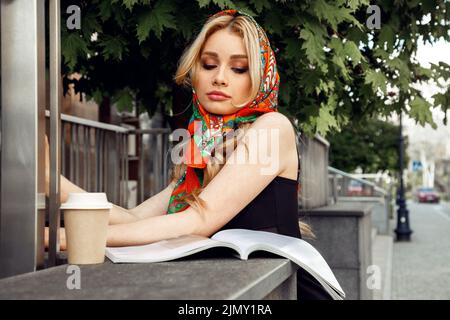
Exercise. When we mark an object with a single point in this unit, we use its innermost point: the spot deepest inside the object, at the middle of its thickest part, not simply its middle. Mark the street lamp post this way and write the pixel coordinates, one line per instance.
(402, 231)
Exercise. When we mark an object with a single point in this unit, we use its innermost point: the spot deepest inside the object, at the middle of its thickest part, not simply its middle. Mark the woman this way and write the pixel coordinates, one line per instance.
(231, 69)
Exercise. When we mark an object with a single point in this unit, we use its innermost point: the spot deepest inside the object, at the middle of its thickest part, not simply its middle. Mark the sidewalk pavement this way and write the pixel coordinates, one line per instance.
(421, 267)
(382, 248)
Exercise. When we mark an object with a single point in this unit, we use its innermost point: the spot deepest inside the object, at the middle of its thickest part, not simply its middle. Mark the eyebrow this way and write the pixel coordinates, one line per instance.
(234, 56)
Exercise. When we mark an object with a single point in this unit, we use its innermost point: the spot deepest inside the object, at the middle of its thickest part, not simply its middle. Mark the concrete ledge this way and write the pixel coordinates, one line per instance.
(198, 277)
(354, 209)
(343, 237)
(380, 211)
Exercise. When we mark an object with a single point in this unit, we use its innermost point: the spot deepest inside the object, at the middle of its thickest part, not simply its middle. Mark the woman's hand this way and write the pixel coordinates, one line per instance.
(62, 238)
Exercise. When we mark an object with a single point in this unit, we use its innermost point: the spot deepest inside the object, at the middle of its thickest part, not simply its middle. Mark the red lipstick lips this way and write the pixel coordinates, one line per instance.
(217, 95)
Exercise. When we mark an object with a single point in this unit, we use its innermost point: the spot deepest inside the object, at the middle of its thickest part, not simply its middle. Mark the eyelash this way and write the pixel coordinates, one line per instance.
(237, 70)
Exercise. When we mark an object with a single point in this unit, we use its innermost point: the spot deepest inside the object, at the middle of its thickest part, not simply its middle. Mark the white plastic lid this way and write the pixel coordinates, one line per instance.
(87, 200)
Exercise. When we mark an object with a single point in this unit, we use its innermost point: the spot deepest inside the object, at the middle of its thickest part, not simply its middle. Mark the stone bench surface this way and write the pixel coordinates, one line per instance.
(344, 208)
(197, 277)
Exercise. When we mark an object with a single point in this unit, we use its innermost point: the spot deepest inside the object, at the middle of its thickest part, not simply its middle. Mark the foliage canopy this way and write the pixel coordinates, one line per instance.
(333, 69)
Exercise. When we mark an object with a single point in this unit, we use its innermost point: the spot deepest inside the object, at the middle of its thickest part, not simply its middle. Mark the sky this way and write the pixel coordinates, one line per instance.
(439, 51)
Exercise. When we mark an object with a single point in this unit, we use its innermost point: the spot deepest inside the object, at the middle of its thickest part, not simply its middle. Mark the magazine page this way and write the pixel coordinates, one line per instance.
(164, 250)
(297, 250)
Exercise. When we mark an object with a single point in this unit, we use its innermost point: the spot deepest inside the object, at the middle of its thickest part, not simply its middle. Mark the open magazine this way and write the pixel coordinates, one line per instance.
(244, 242)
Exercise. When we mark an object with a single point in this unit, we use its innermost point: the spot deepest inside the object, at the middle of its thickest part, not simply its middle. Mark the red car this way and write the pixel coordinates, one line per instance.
(354, 188)
(357, 188)
(427, 195)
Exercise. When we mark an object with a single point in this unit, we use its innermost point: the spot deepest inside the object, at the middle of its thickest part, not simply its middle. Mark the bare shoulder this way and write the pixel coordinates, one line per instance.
(273, 120)
(276, 121)
(288, 157)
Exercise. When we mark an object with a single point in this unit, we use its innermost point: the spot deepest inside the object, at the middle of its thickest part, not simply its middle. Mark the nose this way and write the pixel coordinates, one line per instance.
(220, 78)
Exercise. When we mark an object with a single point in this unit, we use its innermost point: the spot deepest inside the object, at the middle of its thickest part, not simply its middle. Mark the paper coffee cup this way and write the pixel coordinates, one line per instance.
(86, 218)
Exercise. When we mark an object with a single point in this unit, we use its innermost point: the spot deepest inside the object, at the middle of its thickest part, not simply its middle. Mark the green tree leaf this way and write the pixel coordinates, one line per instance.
(73, 46)
(203, 3)
(260, 5)
(326, 119)
(130, 3)
(420, 111)
(313, 45)
(353, 52)
(339, 62)
(113, 47)
(105, 9)
(354, 4)
(223, 4)
(273, 21)
(292, 49)
(387, 36)
(156, 20)
(401, 66)
(334, 15)
(123, 100)
(376, 79)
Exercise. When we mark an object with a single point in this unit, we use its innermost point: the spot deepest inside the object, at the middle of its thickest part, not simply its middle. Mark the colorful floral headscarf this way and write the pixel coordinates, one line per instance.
(208, 130)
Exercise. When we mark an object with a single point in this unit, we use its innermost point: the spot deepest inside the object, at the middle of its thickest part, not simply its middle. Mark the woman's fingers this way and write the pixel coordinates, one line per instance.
(46, 233)
(62, 238)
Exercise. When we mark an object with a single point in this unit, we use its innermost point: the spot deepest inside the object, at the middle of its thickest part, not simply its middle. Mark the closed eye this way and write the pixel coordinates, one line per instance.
(240, 70)
(208, 66)
(212, 66)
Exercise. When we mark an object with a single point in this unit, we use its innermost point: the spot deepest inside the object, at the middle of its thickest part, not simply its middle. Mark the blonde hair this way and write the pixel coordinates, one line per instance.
(186, 75)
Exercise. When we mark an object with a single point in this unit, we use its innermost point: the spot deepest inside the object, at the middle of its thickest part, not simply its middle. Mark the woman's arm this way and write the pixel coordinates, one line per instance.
(236, 185)
(117, 214)
(153, 229)
(154, 206)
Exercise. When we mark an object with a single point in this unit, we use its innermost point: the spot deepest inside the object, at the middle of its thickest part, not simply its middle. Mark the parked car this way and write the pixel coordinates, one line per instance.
(357, 188)
(354, 188)
(425, 194)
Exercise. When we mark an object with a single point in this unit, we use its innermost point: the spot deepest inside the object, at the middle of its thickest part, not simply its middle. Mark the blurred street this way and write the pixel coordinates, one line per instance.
(421, 267)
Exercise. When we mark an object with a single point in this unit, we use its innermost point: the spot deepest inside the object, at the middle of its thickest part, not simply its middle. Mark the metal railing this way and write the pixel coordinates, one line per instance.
(343, 184)
(94, 156)
(153, 167)
(345, 187)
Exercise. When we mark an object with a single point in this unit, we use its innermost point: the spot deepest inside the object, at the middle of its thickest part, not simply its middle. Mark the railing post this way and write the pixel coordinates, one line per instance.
(334, 189)
(22, 204)
(55, 131)
(140, 139)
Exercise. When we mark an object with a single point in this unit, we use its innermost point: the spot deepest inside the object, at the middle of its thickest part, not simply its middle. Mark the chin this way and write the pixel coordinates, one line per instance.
(219, 108)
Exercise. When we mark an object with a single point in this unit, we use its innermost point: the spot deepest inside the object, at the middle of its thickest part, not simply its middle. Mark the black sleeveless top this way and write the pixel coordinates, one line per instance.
(275, 209)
